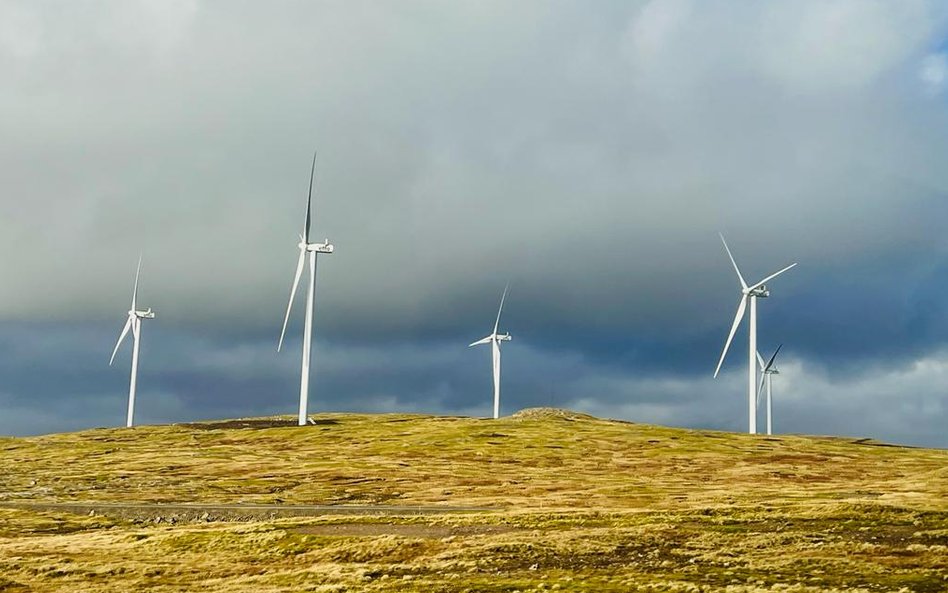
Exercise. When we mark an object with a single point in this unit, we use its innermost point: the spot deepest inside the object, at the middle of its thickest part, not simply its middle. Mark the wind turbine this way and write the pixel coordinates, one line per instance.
(134, 323)
(312, 249)
(494, 339)
(767, 371)
(748, 294)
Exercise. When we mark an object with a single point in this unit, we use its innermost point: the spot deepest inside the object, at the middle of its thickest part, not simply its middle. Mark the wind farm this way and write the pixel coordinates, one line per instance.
(599, 182)
(415, 502)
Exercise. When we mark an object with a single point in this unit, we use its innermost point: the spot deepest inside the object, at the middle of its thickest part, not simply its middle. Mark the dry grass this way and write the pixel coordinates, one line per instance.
(584, 505)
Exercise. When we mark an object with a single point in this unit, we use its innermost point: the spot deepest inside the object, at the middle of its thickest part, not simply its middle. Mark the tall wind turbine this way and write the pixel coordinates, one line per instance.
(494, 339)
(767, 371)
(748, 294)
(134, 323)
(312, 249)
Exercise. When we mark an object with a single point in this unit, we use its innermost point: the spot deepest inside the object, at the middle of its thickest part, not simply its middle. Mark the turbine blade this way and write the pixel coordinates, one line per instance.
(289, 307)
(481, 341)
(124, 333)
(771, 277)
(760, 387)
(773, 358)
(737, 321)
(733, 263)
(309, 201)
(501, 309)
(138, 272)
(760, 360)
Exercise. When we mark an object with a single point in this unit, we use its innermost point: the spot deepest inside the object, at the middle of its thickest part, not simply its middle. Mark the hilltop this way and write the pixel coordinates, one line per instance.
(546, 497)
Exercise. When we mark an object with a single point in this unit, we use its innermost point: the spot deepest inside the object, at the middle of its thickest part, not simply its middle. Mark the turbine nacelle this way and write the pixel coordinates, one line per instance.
(502, 337)
(760, 292)
(324, 247)
(146, 314)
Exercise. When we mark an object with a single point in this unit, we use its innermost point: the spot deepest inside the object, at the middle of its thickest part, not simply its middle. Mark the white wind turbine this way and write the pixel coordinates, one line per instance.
(133, 323)
(495, 339)
(767, 371)
(748, 293)
(312, 248)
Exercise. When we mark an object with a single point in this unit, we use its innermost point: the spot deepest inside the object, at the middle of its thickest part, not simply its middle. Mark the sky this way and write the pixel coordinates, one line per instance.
(586, 154)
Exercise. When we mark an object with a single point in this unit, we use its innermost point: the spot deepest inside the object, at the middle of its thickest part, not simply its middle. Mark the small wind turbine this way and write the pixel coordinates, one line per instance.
(312, 248)
(748, 293)
(134, 323)
(767, 371)
(495, 339)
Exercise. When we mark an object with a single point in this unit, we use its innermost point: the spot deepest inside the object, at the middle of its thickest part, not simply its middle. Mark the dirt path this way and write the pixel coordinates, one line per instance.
(159, 512)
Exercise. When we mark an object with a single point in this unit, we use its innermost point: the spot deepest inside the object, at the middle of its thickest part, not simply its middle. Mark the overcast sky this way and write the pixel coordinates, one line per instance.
(586, 153)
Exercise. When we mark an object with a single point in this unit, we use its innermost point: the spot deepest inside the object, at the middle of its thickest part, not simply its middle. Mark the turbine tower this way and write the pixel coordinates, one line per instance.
(312, 249)
(748, 294)
(494, 339)
(134, 323)
(767, 371)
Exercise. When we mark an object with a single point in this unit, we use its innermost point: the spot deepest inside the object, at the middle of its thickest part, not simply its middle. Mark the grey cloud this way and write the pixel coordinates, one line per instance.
(587, 156)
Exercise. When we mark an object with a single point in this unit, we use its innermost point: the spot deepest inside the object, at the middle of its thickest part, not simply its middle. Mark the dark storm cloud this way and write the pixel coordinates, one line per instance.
(589, 157)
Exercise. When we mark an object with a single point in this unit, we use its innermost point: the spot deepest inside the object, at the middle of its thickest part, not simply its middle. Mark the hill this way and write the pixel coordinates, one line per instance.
(541, 500)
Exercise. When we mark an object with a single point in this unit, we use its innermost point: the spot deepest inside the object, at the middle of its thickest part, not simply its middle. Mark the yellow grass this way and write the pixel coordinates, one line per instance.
(579, 504)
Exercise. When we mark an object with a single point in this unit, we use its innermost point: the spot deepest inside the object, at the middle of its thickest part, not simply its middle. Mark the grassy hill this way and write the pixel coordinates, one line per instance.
(543, 500)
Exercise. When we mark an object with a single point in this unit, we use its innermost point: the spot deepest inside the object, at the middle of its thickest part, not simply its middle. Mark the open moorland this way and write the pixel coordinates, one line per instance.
(544, 500)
